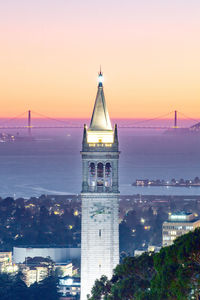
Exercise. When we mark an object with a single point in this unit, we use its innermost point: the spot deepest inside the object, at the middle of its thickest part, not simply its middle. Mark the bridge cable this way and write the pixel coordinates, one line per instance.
(196, 120)
(153, 119)
(12, 119)
(53, 119)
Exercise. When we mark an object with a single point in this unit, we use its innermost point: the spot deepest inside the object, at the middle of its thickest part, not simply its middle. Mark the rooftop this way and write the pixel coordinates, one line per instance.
(182, 216)
(44, 246)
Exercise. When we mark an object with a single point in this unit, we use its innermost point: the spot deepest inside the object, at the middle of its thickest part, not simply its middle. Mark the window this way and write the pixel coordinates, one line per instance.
(166, 238)
(173, 232)
(108, 175)
(100, 170)
(100, 176)
(189, 227)
(92, 169)
(99, 232)
(92, 176)
(108, 169)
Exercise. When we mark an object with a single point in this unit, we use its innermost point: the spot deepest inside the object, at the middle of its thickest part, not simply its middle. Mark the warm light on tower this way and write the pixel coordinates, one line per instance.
(100, 136)
(100, 78)
(100, 130)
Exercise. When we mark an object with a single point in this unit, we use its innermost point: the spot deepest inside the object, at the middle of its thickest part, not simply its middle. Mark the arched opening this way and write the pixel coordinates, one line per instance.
(92, 176)
(108, 170)
(108, 175)
(100, 176)
(92, 169)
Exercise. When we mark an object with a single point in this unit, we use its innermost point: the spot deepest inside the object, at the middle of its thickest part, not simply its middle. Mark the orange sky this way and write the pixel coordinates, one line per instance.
(51, 51)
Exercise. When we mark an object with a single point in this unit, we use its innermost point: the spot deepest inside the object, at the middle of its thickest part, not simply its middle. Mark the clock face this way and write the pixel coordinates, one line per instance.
(99, 212)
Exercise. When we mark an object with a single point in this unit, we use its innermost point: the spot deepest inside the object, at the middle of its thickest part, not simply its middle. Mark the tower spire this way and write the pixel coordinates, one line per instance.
(100, 118)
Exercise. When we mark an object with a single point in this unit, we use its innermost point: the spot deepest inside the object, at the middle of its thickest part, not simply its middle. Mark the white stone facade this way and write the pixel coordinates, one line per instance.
(100, 190)
(100, 238)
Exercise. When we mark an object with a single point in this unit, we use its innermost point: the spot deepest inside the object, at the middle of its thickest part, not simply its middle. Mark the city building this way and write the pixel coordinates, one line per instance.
(100, 223)
(142, 182)
(178, 224)
(69, 288)
(35, 274)
(150, 248)
(6, 265)
(36, 269)
(59, 254)
(65, 269)
(5, 258)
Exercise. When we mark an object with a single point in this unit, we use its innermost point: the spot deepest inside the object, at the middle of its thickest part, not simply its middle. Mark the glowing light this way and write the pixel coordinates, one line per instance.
(69, 281)
(147, 227)
(76, 213)
(142, 220)
(100, 78)
(70, 227)
(100, 137)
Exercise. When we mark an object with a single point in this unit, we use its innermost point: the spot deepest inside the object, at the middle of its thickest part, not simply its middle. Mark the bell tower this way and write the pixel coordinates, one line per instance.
(100, 190)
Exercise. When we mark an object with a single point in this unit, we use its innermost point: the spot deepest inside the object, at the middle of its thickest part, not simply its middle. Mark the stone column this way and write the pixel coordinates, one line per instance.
(104, 177)
(85, 175)
(115, 175)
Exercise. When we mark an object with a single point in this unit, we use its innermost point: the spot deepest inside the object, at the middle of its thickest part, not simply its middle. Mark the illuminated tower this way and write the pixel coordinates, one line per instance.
(100, 228)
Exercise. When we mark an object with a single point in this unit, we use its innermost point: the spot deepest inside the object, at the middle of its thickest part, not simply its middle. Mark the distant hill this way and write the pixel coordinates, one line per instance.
(173, 273)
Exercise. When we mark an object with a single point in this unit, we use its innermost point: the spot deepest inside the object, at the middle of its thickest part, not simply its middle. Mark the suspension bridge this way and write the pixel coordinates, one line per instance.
(61, 124)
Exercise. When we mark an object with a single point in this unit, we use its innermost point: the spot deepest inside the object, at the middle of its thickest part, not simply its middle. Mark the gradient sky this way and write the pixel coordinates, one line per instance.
(51, 51)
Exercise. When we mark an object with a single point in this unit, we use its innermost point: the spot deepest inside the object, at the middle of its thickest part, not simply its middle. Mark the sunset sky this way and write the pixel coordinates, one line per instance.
(51, 51)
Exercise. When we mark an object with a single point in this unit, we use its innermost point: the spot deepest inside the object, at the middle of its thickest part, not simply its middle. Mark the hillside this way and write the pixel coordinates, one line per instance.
(173, 273)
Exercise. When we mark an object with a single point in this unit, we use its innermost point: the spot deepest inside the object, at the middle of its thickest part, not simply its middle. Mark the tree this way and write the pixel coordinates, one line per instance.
(171, 274)
(14, 288)
(101, 287)
(132, 275)
(45, 289)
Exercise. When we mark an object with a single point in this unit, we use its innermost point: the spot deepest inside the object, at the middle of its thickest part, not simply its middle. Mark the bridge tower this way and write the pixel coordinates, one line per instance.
(29, 123)
(175, 119)
(100, 226)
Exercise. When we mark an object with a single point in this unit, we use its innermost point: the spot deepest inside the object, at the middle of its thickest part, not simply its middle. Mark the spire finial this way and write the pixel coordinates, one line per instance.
(100, 73)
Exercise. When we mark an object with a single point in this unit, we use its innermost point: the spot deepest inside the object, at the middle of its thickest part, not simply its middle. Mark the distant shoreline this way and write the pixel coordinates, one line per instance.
(173, 183)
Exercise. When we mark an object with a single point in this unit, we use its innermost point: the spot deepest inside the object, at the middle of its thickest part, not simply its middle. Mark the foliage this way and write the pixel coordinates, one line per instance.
(132, 275)
(173, 273)
(37, 221)
(13, 287)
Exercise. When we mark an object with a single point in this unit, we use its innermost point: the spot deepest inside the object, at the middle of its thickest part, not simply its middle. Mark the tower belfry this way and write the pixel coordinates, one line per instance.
(100, 227)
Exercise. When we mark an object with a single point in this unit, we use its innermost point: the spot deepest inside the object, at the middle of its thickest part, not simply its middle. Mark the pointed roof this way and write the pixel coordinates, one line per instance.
(100, 118)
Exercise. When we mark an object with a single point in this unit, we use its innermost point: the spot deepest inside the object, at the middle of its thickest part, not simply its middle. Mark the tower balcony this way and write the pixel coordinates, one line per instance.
(106, 136)
(100, 147)
(100, 189)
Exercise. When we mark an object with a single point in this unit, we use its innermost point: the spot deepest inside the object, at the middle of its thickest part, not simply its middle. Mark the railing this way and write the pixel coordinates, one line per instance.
(99, 189)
